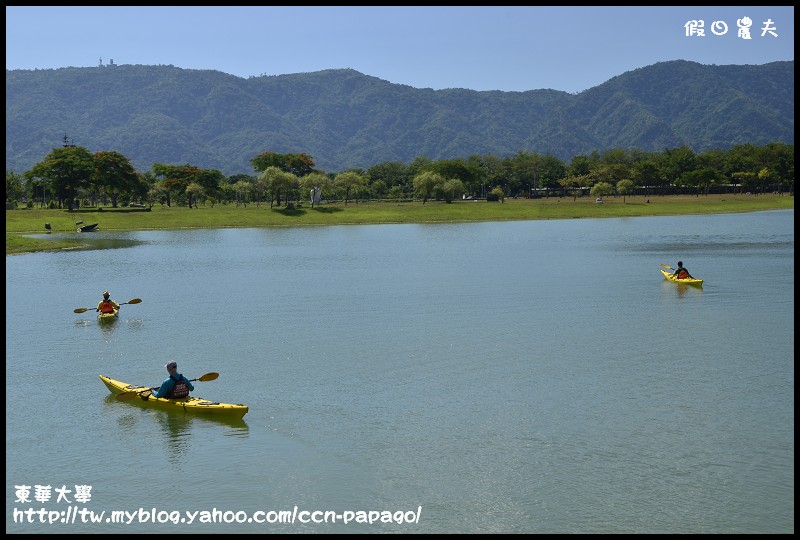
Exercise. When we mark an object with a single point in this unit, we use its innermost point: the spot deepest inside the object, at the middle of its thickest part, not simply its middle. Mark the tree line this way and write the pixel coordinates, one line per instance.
(72, 176)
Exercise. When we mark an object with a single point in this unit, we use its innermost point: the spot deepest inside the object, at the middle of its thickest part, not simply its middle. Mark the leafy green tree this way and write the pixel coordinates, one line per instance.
(765, 178)
(779, 158)
(242, 188)
(524, 169)
(37, 189)
(551, 170)
(293, 189)
(378, 189)
(156, 193)
(451, 189)
(396, 192)
(625, 187)
(236, 177)
(194, 191)
(742, 158)
(297, 164)
(675, 162)
(260, 187)
(391, 173)
(491, 170)
(166, 192)
(226, 193)
(579, 166)
(616, 156)
(278, 182)
(176, 178)
(316, 180)
(141, 186)
(746, 180)
(418, 165)
(210, 180)
(425, 183)
(499, 194)
(227, 187)
(350, 182)
(610, 173)
(172, 178)
(601, 189)
(66, 169)
(646, 173)
(700, 180)
(468, 173)
(114, 175)
(574, 184)
(15, 187)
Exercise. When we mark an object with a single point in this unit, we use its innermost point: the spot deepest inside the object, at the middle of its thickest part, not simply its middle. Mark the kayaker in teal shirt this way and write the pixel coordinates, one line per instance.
(174, 386)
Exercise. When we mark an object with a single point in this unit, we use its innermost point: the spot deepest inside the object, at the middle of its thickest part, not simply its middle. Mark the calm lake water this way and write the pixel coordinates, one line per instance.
(516, 377)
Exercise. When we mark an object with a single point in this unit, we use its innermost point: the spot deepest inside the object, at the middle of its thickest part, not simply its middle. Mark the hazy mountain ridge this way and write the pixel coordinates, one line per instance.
(347, 119)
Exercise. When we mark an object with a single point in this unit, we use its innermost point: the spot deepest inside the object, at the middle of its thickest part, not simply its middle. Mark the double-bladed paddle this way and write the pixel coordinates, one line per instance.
(132, 301)
(125, 396)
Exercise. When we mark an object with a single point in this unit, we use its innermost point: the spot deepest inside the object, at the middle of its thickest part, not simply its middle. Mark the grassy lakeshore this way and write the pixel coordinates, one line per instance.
(22, 222)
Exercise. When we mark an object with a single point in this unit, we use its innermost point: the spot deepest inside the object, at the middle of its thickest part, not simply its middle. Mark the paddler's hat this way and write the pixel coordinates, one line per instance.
(106, 294)
(172, 364)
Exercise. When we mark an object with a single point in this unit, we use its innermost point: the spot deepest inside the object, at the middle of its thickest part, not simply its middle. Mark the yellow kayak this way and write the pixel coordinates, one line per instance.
(190, 404)
(108, 317)
(689, 281)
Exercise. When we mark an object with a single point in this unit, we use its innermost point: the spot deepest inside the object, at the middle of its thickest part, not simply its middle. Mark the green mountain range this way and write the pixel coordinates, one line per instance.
(345, 119)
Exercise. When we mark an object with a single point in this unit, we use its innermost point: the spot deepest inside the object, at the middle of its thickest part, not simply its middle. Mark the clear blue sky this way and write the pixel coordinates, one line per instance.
(569, 48)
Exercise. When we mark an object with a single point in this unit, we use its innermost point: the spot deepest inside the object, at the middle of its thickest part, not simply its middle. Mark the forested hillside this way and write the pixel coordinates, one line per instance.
(345, 119)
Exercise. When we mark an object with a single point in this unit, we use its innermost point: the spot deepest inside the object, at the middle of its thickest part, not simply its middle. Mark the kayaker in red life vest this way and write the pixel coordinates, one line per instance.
(681, 272)
(107, 305)
(174, 386)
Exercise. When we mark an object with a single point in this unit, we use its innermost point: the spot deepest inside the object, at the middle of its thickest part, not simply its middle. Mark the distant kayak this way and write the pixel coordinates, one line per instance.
(689, 281)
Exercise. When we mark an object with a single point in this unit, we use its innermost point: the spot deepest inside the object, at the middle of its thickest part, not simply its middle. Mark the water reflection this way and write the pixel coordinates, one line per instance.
(681, 290)
(126, 422)
(107, 329)
(95, 241)
(177, 431)
(177, 422)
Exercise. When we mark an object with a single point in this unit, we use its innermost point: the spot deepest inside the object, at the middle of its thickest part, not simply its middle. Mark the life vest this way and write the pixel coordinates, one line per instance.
(106, 307)
(180, 389)
(683, 274)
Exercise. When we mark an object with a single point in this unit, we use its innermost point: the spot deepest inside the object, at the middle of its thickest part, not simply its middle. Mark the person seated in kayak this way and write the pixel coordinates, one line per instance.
(107, 305)
(682, 272)
(175, 386)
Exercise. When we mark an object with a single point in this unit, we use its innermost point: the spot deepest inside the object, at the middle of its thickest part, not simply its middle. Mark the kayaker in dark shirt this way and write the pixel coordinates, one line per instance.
(174, 386)
(682, 272)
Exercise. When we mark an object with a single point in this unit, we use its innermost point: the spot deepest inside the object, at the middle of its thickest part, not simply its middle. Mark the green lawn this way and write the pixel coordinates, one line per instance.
(27, 221)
